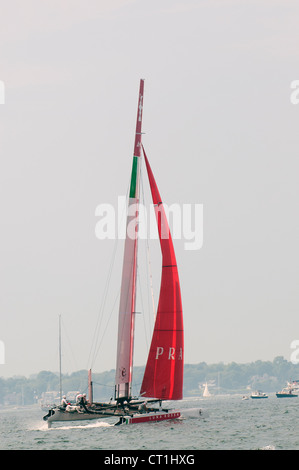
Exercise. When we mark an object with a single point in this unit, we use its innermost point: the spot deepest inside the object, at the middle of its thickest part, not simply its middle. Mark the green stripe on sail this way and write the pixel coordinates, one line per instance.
(134, 177)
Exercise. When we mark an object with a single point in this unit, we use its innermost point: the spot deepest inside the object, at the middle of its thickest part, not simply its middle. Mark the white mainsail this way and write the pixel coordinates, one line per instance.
(125, 344)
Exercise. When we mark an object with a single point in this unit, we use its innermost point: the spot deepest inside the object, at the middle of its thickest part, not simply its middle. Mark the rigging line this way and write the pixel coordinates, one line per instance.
(101, 311)
(103, 385)
(69, 342)
(109, 318)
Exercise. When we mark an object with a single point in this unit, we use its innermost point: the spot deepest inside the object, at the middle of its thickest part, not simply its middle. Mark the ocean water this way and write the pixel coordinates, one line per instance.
(231, 424)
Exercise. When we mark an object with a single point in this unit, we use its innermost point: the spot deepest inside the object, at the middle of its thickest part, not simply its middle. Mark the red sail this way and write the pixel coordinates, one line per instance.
(163, 377)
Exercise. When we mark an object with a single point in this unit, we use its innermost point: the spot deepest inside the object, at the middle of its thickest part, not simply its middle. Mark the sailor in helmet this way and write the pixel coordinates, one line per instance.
(64, 402)
(78, 398)
(142, 408)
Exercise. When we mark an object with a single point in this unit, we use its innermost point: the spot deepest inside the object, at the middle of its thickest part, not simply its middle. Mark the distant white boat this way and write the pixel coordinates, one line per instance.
(259, 394)
(206, 392)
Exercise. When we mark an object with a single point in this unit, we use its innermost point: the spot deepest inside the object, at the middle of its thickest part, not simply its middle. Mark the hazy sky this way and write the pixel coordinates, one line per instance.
(220, 130)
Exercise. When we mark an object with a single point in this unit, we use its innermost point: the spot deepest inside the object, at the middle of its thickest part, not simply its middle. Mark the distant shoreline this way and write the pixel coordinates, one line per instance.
(221, 378)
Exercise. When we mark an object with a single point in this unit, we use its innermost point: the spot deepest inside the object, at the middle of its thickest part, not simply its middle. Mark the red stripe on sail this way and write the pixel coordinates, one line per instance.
(163, 377)
(137, 145)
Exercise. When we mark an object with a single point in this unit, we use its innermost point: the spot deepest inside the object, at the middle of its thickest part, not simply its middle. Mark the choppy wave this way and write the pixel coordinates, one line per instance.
(230, 424)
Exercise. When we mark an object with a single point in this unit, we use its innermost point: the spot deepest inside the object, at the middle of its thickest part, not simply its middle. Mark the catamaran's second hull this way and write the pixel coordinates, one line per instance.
(155, 416)
(149, 417)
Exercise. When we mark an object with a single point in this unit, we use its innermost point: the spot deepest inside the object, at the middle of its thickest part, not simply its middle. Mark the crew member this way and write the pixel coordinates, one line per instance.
(64, 402)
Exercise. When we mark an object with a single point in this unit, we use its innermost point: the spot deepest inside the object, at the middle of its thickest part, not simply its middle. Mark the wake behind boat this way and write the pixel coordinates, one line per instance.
(163, 376)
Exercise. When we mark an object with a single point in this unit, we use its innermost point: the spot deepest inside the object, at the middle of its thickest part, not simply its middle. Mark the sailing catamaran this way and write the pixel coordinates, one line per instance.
(163, 376)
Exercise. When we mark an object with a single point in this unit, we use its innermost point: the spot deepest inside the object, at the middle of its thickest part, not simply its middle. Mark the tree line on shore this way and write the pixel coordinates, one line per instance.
(222, 378)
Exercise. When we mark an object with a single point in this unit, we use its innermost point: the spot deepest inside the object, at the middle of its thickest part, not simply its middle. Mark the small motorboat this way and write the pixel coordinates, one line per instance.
(259, 394)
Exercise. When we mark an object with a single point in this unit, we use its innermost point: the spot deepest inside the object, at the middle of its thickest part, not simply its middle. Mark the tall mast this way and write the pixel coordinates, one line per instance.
(60, 381)
(125, 345)
(90, 394)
